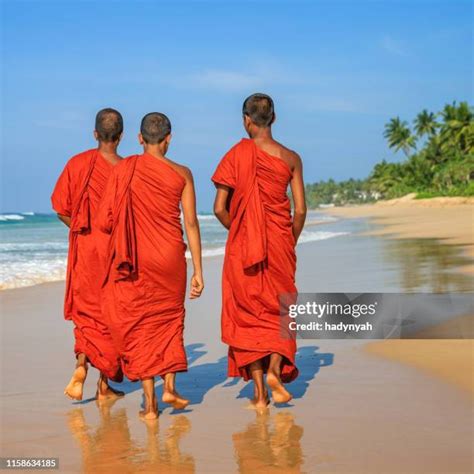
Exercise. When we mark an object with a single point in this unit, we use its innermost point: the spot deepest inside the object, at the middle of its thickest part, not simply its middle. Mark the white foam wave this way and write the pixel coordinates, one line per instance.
(26, 264)
(33, 247)
(11, 217)
(308, 236)
(305, 237)
(209, 252)
(29, 273)
(206, 217)
(27, 213)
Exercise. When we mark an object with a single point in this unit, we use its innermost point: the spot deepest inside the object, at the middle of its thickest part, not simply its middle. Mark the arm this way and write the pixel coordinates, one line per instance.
(65, 220)
(299, 200)
(61, 198)
(191, 224)
(221, 208)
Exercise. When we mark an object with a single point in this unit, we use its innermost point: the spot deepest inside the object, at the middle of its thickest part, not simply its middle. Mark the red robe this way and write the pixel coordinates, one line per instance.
(145, 280)
(260, 260)
(77, 195)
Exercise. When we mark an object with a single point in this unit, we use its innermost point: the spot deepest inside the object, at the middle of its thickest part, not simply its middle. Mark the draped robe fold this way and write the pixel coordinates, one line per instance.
(260, 260)
(145, 279)
(77, 195)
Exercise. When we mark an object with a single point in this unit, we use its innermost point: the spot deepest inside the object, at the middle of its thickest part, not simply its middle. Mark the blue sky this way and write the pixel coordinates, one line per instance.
(338, 70)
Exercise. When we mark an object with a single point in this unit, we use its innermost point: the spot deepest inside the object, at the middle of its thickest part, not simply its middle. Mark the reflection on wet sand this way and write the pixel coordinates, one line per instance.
(109, 448)
(427, 264)
(270, 444)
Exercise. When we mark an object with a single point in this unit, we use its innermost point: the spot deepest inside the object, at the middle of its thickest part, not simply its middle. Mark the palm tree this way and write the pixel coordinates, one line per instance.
(385, 176)
(399, 136)
(449, 112)
(417, 171)
(457, 131)
(425, 123)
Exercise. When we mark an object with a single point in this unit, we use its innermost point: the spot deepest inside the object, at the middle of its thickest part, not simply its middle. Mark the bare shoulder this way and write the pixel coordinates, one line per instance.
(290, 156)
(184, 171)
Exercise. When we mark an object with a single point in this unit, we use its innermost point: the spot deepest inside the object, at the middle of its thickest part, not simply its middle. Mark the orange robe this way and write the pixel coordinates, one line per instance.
(77, 195)
(145, 280)
(260, 260)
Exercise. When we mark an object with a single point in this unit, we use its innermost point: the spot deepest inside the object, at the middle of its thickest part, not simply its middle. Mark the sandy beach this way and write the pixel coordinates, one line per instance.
(447, 220)
(383, 406)
(450, 220)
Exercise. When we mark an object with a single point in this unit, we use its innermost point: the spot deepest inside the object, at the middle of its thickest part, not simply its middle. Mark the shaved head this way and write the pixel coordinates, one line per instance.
(155, 128)
(260, 109)
(108, 125)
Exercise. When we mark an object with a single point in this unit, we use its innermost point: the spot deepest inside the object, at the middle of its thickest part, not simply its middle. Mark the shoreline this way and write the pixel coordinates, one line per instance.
(209, 254)
(449, 220)
(28, 279)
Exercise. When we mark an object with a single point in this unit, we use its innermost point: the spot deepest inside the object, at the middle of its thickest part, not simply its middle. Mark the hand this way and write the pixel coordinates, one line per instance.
(197, 285)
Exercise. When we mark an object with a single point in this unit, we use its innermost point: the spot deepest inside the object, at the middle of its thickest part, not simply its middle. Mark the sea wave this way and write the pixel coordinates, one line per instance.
(308, 236)
(31, 263)
(212, 252)
(29, 273)
(33, 247)
(11, 217)
(305, 237)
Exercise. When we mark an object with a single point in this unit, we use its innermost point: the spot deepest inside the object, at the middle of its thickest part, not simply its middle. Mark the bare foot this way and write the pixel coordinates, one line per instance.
(259, 404)
(150, 412)
(279, 392)
(148, 415)
(76, 385)
(175, 400)
(105, 391)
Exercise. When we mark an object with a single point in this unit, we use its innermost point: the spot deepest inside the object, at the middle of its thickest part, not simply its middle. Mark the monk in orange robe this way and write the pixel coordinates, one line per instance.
(260, 262)
(145, 280)
(76, 198)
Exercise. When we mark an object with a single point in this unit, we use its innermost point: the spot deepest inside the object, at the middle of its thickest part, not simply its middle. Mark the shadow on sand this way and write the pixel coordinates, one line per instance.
(308, 361)
(202, 378)
(193, 385)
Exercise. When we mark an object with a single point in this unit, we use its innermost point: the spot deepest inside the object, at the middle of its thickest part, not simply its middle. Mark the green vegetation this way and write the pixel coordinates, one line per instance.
(439, 151)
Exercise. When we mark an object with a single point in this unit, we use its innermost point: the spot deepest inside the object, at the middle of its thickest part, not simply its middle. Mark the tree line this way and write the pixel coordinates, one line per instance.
(439, 161)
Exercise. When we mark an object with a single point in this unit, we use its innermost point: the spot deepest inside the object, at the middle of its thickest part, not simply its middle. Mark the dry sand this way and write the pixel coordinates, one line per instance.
(451, 359)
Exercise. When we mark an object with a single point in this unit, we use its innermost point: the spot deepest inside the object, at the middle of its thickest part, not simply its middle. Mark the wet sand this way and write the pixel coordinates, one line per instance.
(450, 220)
(413, 226)
(352, 411)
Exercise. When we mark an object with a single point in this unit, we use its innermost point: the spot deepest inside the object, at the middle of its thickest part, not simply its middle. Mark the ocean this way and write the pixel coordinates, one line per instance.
(33, 246)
